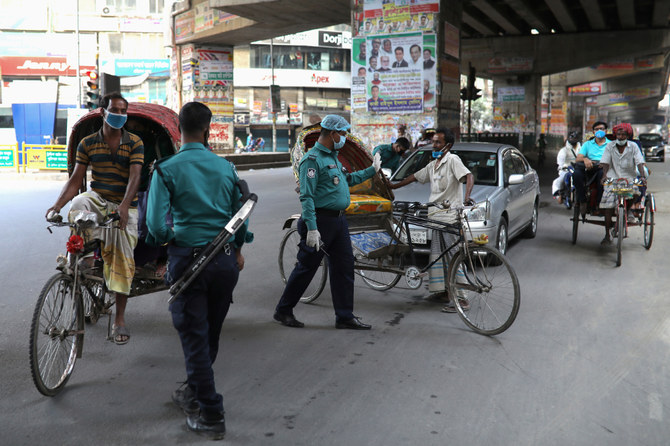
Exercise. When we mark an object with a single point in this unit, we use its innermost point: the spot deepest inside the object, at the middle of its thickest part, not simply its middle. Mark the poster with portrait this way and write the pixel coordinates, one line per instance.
(395, 79)
(358, 73)
(387, 16)
(429, 68)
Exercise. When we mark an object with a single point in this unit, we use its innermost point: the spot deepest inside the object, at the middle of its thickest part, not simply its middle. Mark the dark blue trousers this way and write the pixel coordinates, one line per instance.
(337, 243)
(198, 314)
(581, 177)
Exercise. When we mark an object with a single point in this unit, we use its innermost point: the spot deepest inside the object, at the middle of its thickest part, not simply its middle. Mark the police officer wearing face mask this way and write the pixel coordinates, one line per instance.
(324, 194)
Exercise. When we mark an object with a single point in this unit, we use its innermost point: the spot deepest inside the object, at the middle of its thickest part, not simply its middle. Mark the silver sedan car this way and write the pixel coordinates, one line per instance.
(507, 191)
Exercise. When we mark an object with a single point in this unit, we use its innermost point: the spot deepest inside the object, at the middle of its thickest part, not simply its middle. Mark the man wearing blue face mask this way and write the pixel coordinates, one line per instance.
(116, 157)
(324, 194)
(586, 163)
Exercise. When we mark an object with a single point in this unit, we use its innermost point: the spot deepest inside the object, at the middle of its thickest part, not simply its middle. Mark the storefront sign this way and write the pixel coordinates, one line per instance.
(332, 39)
(6, 158)
(38, 66)
(511, 94)
(257, 77)
(136, 67)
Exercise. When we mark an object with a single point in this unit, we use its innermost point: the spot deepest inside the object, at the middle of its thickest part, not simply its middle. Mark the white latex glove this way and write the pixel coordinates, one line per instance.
(313, 239)
(377, 161)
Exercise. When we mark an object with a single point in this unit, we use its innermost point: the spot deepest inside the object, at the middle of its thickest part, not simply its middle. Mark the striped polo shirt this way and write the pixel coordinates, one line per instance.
(110, 173)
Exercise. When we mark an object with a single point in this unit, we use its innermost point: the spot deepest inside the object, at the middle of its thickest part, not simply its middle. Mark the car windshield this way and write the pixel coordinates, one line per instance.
(650, 138)
(483, 165)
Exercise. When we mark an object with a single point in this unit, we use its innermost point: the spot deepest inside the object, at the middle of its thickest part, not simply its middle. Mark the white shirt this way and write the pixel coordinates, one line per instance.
(622, 165)
(445, 175)
(567, 155)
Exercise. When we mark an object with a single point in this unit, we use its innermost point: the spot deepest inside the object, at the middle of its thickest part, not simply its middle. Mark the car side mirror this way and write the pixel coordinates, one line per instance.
(516, 178)
(387, 172)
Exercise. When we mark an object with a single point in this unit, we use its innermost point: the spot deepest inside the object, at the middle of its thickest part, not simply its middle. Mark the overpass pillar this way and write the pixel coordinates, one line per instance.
(405, 68)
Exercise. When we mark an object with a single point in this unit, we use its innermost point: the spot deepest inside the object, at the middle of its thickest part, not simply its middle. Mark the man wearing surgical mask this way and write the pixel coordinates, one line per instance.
(323, 228)
(446, 174)
(116, 158)
(589, 154)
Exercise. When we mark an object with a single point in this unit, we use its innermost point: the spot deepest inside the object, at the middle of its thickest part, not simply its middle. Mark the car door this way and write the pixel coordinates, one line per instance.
(528, 192)
(514, 191)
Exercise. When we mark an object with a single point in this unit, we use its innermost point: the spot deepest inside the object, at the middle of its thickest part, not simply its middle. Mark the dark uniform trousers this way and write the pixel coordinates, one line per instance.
(334, 232)
(198, 314)
(581, 176)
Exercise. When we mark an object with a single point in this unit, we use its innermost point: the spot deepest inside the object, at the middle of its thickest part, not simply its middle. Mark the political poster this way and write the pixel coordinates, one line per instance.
(395, 81)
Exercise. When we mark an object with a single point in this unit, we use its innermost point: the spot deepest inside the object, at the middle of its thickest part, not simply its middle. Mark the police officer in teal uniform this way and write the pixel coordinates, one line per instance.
(324, 194)
(391, 154)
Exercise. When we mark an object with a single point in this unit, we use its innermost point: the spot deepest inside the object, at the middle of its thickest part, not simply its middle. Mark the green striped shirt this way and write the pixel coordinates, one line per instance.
(110, 173)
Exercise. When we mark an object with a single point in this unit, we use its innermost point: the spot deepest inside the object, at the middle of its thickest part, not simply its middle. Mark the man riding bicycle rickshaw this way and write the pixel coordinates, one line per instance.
(587, 170)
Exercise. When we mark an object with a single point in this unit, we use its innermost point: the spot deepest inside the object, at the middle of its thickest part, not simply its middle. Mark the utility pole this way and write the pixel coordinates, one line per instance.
(78, 61)
(272, 104)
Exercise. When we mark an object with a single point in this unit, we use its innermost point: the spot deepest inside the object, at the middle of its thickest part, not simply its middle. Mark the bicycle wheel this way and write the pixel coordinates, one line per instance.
(288, 255)
(575, 223)
(648, 221)
(484, 277)
(620, 229)
(93, 300)
(56, 334)
(379, 280)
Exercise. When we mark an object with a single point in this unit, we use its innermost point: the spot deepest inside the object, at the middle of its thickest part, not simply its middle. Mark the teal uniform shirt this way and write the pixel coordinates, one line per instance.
(390, 158)
(323, 184)
(593, 151)
(199, 189)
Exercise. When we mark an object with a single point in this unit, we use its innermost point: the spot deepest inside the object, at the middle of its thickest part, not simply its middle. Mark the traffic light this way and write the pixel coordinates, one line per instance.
(92, 90)
(473, 93)
(464, 94)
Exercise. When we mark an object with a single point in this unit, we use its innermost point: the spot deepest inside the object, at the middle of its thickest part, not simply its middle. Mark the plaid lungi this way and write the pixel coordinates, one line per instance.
(116, 246)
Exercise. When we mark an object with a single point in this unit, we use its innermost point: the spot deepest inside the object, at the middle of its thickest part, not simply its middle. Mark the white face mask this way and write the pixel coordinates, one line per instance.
(621, 142)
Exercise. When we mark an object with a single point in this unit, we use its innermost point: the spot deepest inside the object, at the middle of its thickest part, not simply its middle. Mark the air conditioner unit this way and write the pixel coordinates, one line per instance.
(106, 11)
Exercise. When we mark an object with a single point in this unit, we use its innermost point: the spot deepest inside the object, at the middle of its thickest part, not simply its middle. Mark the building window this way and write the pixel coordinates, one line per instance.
(299, 58)
(156, 6)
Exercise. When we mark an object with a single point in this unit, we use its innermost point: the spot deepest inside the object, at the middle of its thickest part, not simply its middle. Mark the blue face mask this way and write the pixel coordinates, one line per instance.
(338, 145)
(437, 154)
(115, 120)
(600, 134)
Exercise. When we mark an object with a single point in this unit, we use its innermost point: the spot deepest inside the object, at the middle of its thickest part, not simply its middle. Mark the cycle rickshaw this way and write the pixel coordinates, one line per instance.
(77, 293)
(642, 211)
(382, 242)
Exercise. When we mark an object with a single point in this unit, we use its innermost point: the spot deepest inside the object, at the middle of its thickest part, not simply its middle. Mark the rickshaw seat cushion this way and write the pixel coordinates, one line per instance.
(365, 188)
(364, 204)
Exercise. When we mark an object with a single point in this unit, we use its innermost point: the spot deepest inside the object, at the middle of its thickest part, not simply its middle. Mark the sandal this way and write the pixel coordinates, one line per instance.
(118, 333)
(451, 306)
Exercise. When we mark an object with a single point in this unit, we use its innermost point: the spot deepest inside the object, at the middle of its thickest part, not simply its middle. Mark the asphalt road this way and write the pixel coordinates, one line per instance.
(584, 363)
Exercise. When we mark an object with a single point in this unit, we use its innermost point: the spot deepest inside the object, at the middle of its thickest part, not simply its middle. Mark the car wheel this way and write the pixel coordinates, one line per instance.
(531, 230)
(501, 239)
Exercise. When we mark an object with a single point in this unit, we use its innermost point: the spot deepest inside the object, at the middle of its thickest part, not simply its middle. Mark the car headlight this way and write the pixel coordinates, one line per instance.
(479, 212)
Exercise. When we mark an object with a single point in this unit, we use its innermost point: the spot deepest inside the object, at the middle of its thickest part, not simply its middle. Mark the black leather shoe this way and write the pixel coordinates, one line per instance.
(353, 324)
(184, 398)
(214, 430)
(289, 320)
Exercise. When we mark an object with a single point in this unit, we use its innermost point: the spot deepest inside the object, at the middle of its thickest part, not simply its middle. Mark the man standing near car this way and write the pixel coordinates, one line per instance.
(116, 158)
(200, 190)
(446, 174)
(323, 228)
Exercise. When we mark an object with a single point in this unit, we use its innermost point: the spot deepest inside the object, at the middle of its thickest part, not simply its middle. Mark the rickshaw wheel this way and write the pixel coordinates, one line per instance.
(648, 221)
(288, 255)
(575, 223)
(56, 334)
(379, 280)
(621, 231)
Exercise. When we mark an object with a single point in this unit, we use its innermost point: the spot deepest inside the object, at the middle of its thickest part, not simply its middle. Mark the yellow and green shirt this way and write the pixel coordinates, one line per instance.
(110, 173)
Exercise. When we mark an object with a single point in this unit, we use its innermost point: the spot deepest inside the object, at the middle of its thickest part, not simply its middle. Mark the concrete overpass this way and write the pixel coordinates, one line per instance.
(513, 42)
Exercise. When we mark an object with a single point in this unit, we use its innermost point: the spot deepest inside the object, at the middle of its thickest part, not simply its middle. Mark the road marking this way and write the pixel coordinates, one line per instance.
(655, 407)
